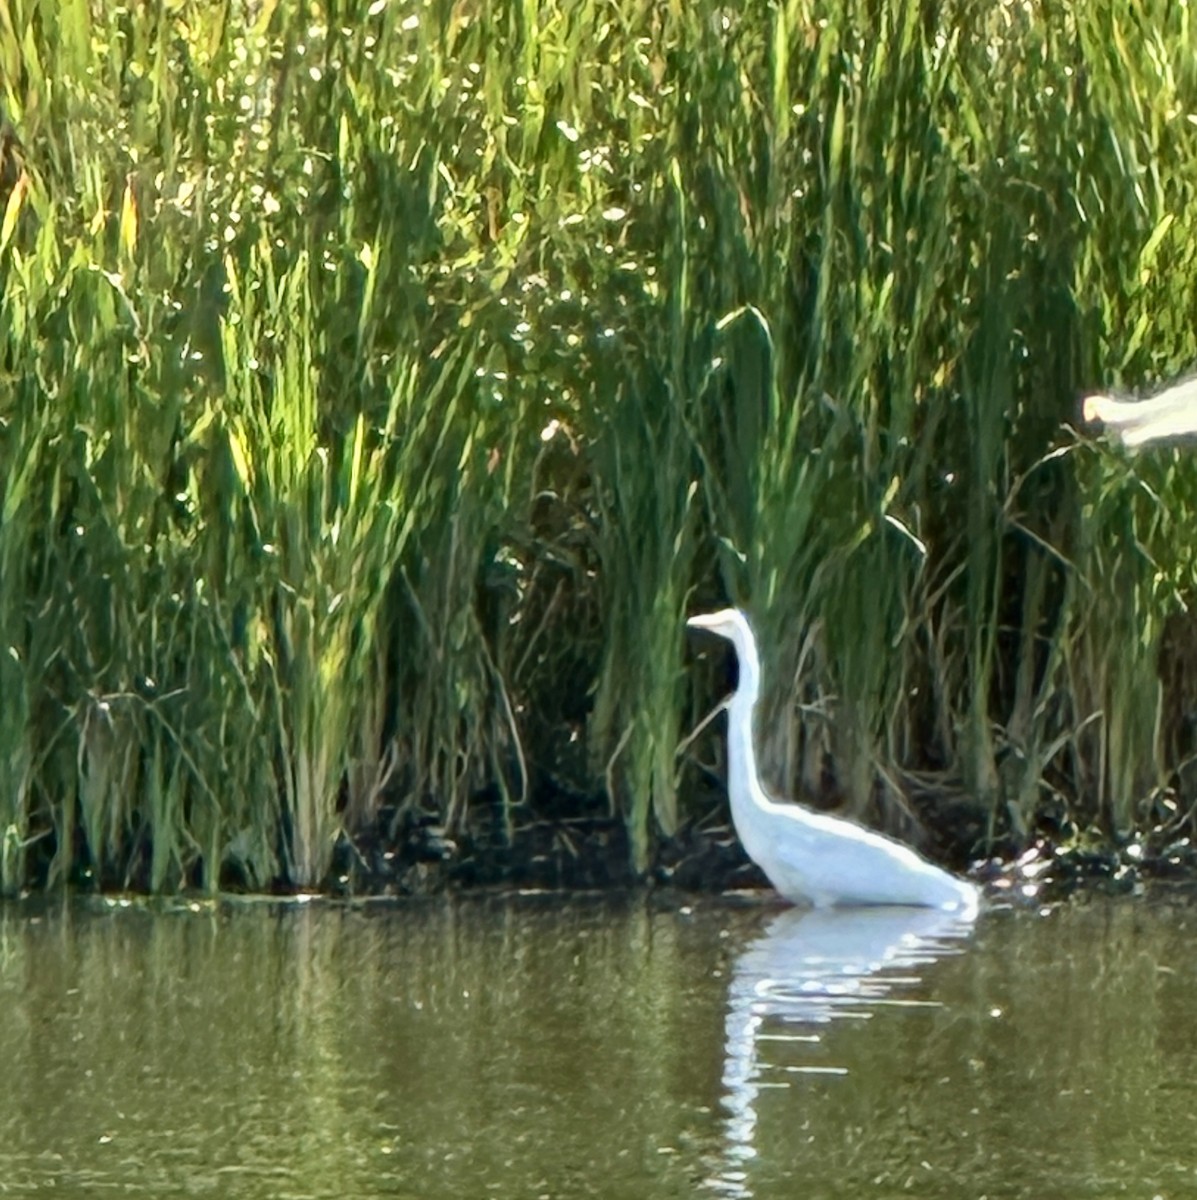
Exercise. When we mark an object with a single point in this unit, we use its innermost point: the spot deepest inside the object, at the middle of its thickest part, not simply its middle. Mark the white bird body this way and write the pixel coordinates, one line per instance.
(809, 857)
(1164, 417)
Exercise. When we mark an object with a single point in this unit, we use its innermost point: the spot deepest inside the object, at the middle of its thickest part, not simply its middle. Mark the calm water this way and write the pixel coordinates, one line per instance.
(561, 1048)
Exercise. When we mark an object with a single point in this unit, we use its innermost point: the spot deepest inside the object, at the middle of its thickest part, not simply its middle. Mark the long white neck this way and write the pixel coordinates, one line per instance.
(741, 742)
(754, 812)
(749, 687)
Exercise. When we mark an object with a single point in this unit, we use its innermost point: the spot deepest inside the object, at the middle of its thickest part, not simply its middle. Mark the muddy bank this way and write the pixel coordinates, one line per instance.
(585, 853)
(409, 854)
(593, 854)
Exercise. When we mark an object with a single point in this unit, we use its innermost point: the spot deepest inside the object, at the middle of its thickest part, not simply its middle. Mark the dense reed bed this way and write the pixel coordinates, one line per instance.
(383, 382)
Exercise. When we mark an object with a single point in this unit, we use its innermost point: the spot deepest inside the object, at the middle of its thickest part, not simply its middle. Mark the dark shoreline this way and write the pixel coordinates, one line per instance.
(589, 855)
(409, 855)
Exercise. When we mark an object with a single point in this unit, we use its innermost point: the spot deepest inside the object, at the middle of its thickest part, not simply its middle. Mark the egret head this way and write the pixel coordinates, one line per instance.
(732, 624)
(1098, 408)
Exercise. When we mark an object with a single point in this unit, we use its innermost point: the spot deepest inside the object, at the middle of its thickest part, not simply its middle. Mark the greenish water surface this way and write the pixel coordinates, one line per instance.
(548, 1047)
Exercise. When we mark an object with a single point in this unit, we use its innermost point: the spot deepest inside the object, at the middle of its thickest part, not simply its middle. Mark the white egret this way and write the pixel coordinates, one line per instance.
(1166, 416)
(810, 857)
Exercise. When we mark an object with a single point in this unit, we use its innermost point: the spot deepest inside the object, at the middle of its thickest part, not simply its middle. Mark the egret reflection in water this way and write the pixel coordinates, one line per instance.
(805, 970)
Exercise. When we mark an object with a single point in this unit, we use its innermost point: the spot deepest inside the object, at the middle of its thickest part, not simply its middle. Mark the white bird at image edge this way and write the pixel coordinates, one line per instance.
(810, 857)
(1164, 417)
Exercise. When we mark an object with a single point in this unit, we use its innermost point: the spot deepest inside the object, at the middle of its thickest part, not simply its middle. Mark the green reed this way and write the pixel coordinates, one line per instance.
(381, 385)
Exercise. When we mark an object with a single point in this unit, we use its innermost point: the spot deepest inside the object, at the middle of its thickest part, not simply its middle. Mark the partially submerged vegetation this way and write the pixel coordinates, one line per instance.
(383, 382)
